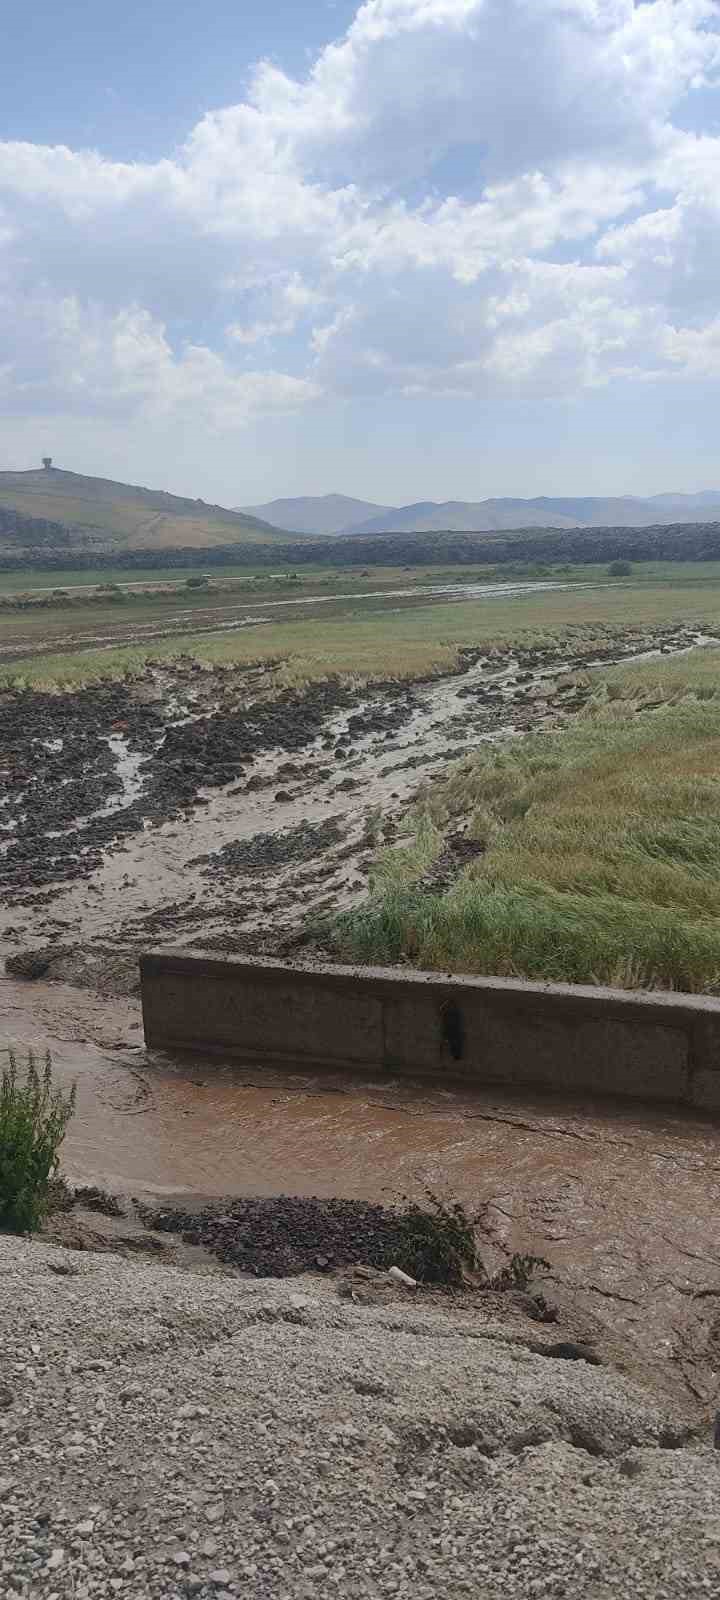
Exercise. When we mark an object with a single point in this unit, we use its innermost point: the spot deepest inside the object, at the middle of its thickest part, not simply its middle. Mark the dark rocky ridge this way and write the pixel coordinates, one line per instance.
(680, 541)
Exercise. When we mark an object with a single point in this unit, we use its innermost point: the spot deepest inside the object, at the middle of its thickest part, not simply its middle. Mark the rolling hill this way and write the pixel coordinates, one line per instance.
(324, 513)
(486, 516)
(97, 513)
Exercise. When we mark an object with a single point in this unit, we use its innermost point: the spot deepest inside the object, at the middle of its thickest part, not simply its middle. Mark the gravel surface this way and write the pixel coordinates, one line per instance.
(167, 1433)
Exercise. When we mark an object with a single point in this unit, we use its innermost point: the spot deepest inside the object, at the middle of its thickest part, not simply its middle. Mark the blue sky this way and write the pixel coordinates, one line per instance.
(405, 250)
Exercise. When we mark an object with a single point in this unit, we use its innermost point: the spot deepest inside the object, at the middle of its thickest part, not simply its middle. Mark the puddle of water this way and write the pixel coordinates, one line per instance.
(128, 766)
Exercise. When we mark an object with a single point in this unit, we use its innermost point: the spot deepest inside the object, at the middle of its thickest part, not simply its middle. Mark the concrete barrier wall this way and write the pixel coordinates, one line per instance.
(481, 1030)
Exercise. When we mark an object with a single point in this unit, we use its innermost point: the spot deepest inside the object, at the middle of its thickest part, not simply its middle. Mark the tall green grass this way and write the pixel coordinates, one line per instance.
(601, 848)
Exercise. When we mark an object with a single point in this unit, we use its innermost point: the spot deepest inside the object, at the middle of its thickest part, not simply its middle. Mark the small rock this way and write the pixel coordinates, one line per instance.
(398, 1276)
(567, 1350)
(84, 1529)
(55, 1560)
(181, 1558)
(220, 1577)
(6, 1397)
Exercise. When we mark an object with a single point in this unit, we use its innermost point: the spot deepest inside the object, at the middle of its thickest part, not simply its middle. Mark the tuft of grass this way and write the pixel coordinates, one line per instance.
(33, 1120)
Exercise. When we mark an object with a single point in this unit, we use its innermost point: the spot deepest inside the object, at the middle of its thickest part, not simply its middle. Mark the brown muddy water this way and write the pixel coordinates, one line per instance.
(622, 1200)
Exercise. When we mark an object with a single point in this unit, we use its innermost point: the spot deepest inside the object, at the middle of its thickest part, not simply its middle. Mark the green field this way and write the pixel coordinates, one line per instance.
(600, 856)
(30, 579)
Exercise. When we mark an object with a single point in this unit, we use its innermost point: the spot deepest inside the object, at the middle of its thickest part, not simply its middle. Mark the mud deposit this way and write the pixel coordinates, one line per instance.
(198, 807)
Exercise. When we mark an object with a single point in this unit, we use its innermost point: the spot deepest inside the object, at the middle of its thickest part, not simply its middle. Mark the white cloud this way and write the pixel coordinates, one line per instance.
(463, 195)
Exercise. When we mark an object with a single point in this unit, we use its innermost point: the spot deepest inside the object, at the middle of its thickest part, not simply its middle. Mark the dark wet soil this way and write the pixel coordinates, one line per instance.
(282, 1236)
(302, 843)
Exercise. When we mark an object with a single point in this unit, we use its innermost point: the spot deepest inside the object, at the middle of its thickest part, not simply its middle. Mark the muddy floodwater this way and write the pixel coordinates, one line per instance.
(621, 1200)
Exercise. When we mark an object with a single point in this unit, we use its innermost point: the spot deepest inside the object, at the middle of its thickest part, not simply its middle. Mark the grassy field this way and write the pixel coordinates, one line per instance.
(31, 579)
(600, 844)
(371, 639)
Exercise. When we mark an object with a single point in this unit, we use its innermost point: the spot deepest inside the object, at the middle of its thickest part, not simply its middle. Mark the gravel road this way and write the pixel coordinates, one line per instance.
(168, 1433)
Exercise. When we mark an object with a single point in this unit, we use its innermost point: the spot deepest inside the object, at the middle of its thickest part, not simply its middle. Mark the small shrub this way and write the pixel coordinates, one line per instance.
(440, 1246)
(439, 1242)
(33, 1121)
(199, 582)
(619, 569)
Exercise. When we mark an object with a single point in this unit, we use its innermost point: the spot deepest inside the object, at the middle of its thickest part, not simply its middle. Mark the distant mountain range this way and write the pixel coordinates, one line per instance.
(339, 514)
(55, 512)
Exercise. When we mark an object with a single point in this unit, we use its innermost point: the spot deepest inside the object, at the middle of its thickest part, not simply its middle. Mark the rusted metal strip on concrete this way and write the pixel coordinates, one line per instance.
(652, 1046)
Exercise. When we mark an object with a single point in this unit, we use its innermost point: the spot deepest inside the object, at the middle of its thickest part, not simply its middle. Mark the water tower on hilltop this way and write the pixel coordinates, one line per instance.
(47, 462)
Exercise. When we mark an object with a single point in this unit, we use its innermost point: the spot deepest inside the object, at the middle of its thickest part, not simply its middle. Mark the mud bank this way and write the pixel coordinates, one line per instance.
(201, 808)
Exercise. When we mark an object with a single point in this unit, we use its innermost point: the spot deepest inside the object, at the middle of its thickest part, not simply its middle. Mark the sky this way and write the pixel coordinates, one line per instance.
(406, 250)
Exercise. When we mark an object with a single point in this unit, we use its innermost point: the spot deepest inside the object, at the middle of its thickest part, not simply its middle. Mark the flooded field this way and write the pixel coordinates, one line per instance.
(199, 808)
(202, 808)
(68, 630)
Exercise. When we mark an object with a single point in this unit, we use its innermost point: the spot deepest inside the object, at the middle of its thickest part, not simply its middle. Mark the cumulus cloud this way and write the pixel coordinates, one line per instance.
(461, 196)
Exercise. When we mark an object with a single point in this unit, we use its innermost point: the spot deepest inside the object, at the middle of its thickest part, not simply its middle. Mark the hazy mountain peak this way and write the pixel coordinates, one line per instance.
(323, 513)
